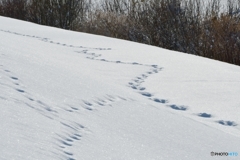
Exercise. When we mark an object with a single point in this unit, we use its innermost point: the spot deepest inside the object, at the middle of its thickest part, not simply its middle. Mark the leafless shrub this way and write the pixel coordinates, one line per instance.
(14, 8)
(190, 26)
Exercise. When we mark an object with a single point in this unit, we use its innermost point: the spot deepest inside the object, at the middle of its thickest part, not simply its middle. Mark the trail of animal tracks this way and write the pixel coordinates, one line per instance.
(73, 96)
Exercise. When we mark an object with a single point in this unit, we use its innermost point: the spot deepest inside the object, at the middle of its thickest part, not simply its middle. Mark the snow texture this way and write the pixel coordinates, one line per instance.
(74, 96)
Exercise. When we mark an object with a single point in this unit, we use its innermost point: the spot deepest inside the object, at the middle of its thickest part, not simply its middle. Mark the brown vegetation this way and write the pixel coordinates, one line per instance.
(188, 26)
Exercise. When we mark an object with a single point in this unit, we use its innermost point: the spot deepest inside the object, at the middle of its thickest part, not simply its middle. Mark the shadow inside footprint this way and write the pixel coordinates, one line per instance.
(68, 153)
(31, 99)
(142, 88)
(75, 138)
(20, 90)
(74, 108)
(87, 103)
(14, 78)
(205, 115)
(180, 108)
(227, 123)
(135, 63)
(146, 94)
(154, 66)
(66, 144)
(134, 87)
(160, 100)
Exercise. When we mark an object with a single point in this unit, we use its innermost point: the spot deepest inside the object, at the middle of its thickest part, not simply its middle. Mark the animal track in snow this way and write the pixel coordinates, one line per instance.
(14, 78)
(107, 100)
(205, 115)
(15, 84)
(160, 100)
(136, 84)
(46, 107)
(74, 108)
(176, 107)
(71, 136)
(7, 71)
(146, 94)
(93, 104)
(227, 123)
(20, 90)
(73, 132)
(52, 42)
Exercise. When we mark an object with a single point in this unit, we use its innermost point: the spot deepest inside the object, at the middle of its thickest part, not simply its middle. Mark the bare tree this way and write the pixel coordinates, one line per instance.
(14, 8)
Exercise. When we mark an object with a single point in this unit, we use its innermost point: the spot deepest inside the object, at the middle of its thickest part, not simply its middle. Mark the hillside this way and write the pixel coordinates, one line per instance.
(75, 96)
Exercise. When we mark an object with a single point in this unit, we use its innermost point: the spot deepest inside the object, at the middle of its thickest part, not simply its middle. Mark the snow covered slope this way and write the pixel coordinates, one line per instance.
(73, 96)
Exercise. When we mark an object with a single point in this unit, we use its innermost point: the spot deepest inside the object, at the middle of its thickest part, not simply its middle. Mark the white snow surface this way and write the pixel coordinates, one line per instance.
(73, 96)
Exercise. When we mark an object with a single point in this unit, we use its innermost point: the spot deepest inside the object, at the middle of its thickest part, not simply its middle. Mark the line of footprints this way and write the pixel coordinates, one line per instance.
(52, 42)
(91, 105)
(135, 84)
(67, 140)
